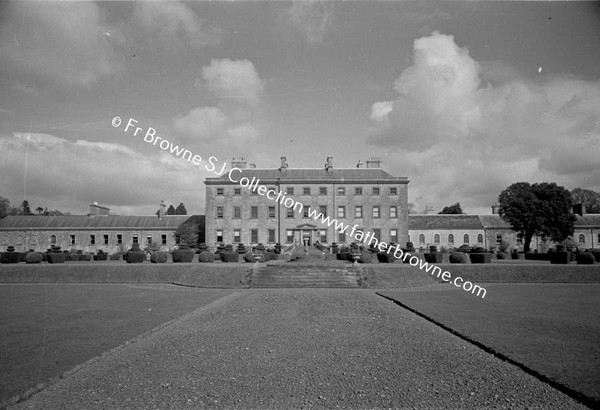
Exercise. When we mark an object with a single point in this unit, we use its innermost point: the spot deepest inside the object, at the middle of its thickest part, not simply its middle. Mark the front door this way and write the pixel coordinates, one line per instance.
(306, 238)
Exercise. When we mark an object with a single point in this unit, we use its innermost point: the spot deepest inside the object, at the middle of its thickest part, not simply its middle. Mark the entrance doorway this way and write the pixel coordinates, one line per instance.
(306, 238)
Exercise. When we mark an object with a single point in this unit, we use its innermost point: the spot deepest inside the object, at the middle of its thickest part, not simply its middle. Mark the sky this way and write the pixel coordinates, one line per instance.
(463, 98)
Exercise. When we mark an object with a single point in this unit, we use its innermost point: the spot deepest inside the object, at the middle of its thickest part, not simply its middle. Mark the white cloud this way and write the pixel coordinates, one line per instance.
(312, 19)
(234, 79)
(203, 122)
(459, 138)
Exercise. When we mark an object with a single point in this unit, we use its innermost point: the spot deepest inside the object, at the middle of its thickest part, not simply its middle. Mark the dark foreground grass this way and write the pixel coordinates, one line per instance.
(552, 329)
(48, 329)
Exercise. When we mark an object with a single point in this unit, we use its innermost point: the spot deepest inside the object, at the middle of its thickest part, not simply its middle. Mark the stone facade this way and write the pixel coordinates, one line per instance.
(239, 211)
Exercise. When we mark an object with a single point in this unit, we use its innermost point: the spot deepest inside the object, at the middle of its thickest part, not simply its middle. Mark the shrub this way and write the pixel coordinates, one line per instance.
(596, 253)
(585, 258)
(34, 257)
(85, 257)
(135, 255)
(433, 257)
(206, 257)
(410, 247)
(241, 249)
(269, 256)
(101, 256)
(560, 257)
(502, 255)
(365, 256)
(458, 257)
(56, 257)
(22, 256)
(249, 257)
(480, 257)
(159, 257)
(384, 257)
(44, 256)
(183, 255)
(10, 256)
(229, 256)
(116, 256)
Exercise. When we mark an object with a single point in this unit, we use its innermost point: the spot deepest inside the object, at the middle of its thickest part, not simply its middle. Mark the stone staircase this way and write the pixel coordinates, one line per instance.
(308, 268)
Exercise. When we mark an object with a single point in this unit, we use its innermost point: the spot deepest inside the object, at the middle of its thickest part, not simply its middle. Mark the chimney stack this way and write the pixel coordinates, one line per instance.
(579, 209)
(161, 210)
(284, 164)
(96, 210)
(374, 162)
(495, 209)
(239, 162)
(329, 163)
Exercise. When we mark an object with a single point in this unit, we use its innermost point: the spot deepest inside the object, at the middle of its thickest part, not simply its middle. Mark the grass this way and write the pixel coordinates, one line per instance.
(552, 329)
(48, 329)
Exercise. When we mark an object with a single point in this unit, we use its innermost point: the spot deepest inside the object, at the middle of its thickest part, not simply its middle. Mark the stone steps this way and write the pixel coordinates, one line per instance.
(294, 275)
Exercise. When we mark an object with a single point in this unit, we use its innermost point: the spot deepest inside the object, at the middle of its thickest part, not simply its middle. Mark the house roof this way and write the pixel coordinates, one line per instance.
(588, 221)
(493, 221)
(22, 222)
(307, 175)
(443, 221)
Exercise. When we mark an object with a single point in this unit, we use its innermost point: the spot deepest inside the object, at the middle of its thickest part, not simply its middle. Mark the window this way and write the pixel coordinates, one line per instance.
(436, 238)
(375, 190)
(220, 212)
(376, 211)
(498, 239)
(220, 191)
(163, 239)
(305, 211)
(323, 190)
(237, 191)
(480, 238)
(393, 190)
(393, 211)
(237, 236)
(72, 239)
(581, 239)
(52, 239)
(341, 213)
(358, 211)
(377, 234)
(105, 240)
(92, 239)
(394, 235)
(254, 235)
(148, 239)
(289, 213)
(119, 239)
(323, 209)
(289, 236)
(271, 212)
(219, 235)
(271, 236)
(323, 235)
(341, 190)
(237, 212)
(358, 190)
(134, 239)
(33, 241)
(466, 239)
(306, 190)
(421, 239)
(342, 237)
(598, 241)
(289, 190)
(254, 212)
(451, 239)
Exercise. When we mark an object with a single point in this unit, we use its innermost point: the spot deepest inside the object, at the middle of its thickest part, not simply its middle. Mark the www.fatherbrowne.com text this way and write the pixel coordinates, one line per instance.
(253, 184)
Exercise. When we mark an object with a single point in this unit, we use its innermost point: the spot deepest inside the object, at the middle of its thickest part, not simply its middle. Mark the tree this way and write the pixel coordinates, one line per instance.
(171, 210)
(452, 209)
(39, 210)
(4, 207)
(186, 234)
(542, 209)
(587, 197)
(180, 210)
(412, 208)
(25, 210)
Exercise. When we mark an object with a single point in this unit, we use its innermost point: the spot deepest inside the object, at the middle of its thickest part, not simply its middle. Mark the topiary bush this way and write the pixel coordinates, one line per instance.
(55, 255)
(254, 257)
(101, 256)
(135, 254)
(23, 255)
(480, 257)
(241, 249)
(117, 256)
(596, 253)
(85, 257)
(229, 257)
(206, 257)
(183, 255)
(458, 257)
(585, 258)
(269, 256)
(10, 256)
(34, 257)
(501, 255)
(159, 257)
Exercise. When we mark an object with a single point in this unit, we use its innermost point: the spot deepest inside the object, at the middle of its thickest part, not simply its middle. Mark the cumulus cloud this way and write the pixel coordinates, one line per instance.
(237, 118)
(60, 41)
(77, 173)
(312, 19)
(448, 125)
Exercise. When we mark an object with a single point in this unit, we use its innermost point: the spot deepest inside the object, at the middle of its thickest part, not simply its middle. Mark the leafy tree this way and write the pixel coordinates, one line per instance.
(542, 209)
(587, 197)
(412, 208)
(452, 209)
(39, 210)
(25, 210)
(4, 207)
(171, 210)
(180, 210)
(186, 233)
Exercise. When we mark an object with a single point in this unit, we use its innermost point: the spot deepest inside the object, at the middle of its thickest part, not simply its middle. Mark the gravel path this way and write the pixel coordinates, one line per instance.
(299, 348)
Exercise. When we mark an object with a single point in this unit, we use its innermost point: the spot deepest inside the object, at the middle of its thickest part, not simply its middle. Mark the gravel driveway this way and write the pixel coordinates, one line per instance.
(299, 348)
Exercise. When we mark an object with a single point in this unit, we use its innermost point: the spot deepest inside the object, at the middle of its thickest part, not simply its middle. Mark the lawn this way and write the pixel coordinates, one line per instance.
(552, 329)
(47, 329)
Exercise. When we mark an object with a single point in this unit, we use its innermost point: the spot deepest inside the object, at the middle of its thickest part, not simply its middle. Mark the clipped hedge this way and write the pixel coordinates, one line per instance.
(56, 257)
(502, 255)
(560, 257)
(183, 255)
(101, 256)
(159, 257)
(586, 258)
(72, 257)
(229, 257)
(34, 257)
(433, 257)
(458, 257)
(249, 257)
(384, 257)
(10, 256)
(85, 257)
(206, 257)
(479, 257)
(116, 256)
(270, 256)
(135, 254)
(365, 257)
